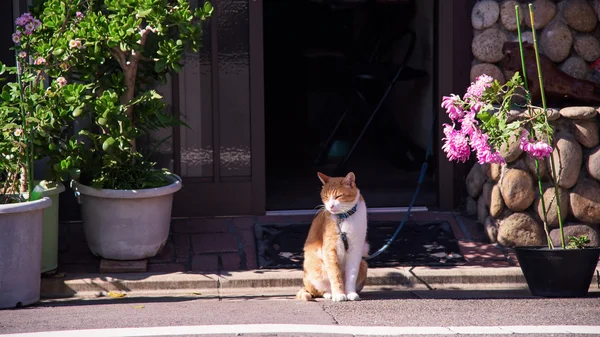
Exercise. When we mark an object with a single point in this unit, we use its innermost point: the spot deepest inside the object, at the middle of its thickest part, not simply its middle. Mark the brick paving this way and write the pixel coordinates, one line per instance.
(228, 244)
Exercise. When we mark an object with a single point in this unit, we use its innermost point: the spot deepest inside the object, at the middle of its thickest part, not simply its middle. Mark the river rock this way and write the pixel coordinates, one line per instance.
(553, 114)
(575, 66)
(511, 150)
(585, 201)
(507, 15)
(486, 192)
(475, 180)
(580, 15)
(562, 125)
(471, 206)
(578, 112)
(520, 229)
(568, 157)
(550, 202)
(576, 230)
(543, 165)
(543, 10)
(556, 41)
(487, 46)
(586, 132)
(487, 69)
(485, 13)
(491, 229)
(587, 47)
(494, 172)
(482, 210)
(593, 164)
(517, 189)
(496, 202)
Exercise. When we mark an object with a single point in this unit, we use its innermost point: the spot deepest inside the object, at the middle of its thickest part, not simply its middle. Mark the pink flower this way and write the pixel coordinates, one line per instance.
(456, 144)
(22, 54)
(450, 104)
(79, 15)
(30, 27)
(39, 61)
(16, 37)
(61, 81)
(36, 23)
(484, 152)
(476, 90)
(469, 123)
(538, 150)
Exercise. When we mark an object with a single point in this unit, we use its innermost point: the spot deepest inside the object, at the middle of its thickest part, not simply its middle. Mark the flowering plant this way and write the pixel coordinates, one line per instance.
(36, 108)
(483, 123)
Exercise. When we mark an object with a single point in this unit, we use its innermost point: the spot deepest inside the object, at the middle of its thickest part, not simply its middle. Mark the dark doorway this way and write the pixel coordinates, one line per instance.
(327, 65)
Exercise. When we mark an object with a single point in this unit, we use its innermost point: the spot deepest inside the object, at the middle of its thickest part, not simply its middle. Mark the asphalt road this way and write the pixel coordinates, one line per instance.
(416, 309)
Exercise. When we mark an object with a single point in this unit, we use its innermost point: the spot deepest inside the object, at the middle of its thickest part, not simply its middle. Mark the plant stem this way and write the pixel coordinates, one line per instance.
(554, 180)
(544, 210)
(529, 107)
(521, 48)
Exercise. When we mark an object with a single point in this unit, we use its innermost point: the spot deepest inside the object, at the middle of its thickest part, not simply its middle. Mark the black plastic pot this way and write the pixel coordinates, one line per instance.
(558, 272)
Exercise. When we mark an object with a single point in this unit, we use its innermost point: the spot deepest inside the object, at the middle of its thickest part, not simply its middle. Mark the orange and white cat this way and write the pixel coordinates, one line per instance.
(336, 244)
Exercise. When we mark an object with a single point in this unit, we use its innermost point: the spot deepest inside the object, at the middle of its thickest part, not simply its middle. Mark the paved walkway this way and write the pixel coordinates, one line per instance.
(184, 268)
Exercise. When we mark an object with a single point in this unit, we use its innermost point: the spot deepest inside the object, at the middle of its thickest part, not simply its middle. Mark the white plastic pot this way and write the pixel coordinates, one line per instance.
(126, 224)
(21, 252)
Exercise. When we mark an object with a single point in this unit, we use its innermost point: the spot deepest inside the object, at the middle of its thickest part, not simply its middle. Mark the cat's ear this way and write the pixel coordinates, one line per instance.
(324, 178)
(349, 180)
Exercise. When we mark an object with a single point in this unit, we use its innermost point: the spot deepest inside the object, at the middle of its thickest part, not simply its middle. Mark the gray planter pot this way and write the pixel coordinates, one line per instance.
(21, 252)
(126, 224)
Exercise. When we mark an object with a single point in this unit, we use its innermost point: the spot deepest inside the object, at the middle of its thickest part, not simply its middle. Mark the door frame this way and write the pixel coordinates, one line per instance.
(454, 56)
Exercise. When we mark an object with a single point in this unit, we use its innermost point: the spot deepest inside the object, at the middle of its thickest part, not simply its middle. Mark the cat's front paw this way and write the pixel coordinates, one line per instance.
(327, 296)
(339, 297)
(353, 297)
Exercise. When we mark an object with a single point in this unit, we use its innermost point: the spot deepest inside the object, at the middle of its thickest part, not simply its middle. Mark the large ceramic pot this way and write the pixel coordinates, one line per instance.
(558, 272)
(127, 224)
(50, 232)
(21, 252)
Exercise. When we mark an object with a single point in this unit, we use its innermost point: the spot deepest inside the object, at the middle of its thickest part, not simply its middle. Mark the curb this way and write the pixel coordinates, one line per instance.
(275, 281)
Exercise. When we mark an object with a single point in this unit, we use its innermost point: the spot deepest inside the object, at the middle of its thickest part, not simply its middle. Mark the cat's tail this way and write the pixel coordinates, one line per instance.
(304, 295)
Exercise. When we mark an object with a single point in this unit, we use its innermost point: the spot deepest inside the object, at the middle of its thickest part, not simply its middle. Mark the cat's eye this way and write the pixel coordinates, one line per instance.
(338, 196)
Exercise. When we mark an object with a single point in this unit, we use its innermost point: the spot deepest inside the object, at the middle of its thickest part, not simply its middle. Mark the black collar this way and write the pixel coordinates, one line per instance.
(346, 215)
(341, 217)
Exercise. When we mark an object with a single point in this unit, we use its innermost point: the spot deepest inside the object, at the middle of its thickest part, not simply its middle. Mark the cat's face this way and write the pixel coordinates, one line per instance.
(339, 194)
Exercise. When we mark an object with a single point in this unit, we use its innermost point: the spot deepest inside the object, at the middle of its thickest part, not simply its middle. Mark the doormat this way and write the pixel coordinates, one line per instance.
(417, 244)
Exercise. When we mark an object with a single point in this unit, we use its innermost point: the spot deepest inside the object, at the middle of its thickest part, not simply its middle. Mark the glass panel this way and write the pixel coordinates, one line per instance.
(195, 95)
(234, 87)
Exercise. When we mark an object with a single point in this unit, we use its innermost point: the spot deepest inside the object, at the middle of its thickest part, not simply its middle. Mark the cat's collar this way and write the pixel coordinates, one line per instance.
(346, 215)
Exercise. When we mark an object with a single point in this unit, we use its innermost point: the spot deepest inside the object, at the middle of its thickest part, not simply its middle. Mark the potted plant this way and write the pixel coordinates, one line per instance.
(484, 127)
(121, 50)
(30, 109)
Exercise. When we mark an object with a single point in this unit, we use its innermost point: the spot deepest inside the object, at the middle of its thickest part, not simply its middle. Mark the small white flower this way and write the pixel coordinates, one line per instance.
(18, 132)
(75, 44)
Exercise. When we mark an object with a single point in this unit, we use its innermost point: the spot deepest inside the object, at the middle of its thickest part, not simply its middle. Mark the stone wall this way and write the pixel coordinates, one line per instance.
(506, 198)
(568, 33)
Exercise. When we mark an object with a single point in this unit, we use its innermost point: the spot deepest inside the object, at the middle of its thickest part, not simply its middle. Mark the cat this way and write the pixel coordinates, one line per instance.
(334, 267)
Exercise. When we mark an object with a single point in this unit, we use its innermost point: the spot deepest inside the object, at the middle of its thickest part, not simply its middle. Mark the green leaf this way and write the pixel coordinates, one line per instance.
(110, 141)
(144, 13)
(58, 51)
(208, 8)
(78, 110)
